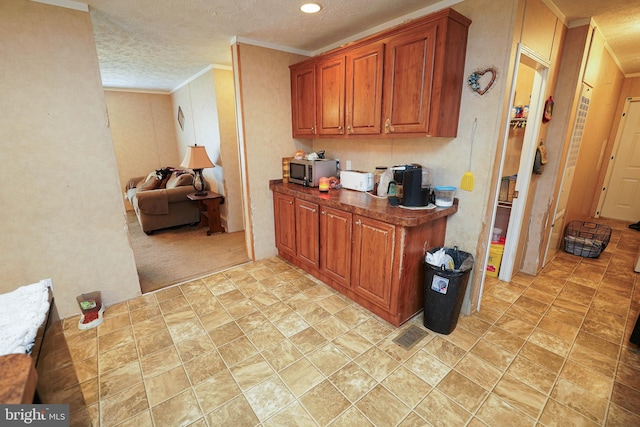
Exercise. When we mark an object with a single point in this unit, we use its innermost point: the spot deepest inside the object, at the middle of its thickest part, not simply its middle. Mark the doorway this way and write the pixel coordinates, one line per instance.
(521, 141)
(621, 198)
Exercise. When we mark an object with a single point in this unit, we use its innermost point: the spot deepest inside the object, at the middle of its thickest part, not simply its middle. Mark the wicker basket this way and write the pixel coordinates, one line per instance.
(586, 239)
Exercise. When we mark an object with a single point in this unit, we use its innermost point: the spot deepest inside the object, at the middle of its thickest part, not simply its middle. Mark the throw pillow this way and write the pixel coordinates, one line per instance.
(180, 180)
(149, 184)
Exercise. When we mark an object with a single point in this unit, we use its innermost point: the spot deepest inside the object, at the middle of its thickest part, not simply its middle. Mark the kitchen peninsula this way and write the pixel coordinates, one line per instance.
(358, 244)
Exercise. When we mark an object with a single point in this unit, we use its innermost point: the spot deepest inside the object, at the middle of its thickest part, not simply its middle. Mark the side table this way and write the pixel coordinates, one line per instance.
(209, 206)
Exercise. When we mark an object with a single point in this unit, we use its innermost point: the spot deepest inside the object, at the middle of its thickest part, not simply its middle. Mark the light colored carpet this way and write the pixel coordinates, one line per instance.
(178, 254)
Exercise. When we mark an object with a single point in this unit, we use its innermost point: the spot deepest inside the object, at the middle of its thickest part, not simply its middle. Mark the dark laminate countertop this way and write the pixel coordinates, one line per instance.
(365, 204)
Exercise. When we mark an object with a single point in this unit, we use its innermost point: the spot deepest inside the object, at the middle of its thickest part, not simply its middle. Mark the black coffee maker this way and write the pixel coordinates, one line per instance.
(408, 182)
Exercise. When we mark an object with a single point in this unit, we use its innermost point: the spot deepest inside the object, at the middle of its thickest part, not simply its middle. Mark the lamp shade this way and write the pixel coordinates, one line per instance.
(196, 158)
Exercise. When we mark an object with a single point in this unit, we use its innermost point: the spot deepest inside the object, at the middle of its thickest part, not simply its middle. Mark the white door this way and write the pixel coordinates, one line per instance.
(622, 197)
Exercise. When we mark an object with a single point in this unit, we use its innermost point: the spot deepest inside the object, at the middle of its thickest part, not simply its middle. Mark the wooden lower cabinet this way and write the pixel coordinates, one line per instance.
(335, 244)
(285, 225)
(373, 247)
(307, 249)
(377, 264)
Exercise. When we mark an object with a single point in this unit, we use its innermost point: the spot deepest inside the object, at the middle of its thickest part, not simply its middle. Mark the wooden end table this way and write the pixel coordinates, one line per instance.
(209, 206)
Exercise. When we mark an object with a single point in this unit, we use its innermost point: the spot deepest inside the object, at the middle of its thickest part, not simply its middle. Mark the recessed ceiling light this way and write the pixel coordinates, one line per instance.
(310, 7)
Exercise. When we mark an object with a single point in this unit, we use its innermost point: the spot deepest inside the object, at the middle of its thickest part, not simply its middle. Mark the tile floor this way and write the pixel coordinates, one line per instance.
(265, 344)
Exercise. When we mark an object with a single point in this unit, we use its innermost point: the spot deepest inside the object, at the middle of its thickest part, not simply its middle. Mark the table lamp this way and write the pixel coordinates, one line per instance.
(197, 159)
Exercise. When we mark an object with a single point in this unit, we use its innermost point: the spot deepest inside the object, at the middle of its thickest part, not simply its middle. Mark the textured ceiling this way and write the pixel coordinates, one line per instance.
(160, 44)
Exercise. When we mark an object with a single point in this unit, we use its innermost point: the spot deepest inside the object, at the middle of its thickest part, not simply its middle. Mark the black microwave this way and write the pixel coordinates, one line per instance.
(309, 172)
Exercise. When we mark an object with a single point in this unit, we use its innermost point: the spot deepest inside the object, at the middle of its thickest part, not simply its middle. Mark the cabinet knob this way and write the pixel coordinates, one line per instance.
(290, 202)
(349, 129)
(324, 212)
(358, 222)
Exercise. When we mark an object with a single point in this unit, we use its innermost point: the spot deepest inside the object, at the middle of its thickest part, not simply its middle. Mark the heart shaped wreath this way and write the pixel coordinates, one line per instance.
(475, 83)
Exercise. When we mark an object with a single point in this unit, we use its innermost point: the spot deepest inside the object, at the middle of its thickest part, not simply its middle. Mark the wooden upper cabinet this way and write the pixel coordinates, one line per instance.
(364, 89)
(303, 101)
(408, 76)
(330, 93)
(406, 81)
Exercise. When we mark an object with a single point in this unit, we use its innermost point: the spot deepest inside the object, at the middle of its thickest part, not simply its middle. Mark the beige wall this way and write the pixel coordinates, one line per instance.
(63, 215)
(143, 132)
(229, 162)
(264, 111)
(607, 81)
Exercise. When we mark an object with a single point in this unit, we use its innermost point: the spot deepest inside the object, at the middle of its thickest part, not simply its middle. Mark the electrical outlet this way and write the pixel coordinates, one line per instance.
(348, 164)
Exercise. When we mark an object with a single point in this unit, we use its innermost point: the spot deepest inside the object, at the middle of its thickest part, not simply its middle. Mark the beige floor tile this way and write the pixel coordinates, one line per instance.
(301, 376)
(324, 402)
(331, 327)
(113, 322)
(121, 406)
(237, 351)
(353, 381)
(628, 376)
(373, 330)
(216, 391)
(225, 334)
(626, 397)
(462, 390)
(148, 326)
(580, 400)
(496, 412)
(598, 344)
(116, 357)
(241, 309)
(557, 415)
(182, 409)
(377, 363)
(602, 330)
(382, 407)
(215, 319)
(620, 417)
(439, 410)
(168, 293)
(194, 347)
(203, 367)
(593, 360)
(542, 356)
(407, 386)
(352, 316)
(462, 338)
(173, 305)
(474, 324)
(281, 355)
(493, 354)
(520, 395)
(328, 359)
(143, 419)
(149, 344)
(251, 372)
(265, 337)
(532, 374)
(503, 339)
(479, 371)
(308, 340)
(269, 397)
(120, 378)
(166, 385)
(445, 351)
(427, 367)
(252, 322)
(291, 324)
(563, 330)
(550, 342)
(588, 379)
(349, 418)
(115, 339)
(515, 326)
(159, 362)
(293, 415)
(352, 344)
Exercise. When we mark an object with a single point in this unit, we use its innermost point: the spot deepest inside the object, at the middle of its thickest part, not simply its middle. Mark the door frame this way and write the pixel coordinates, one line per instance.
(614, 153)
(532, 132)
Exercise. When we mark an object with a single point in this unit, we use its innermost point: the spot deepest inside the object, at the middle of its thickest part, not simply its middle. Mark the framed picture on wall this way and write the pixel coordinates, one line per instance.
(180, 117)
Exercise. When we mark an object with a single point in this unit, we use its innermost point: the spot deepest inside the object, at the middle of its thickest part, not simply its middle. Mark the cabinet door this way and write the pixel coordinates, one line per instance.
(285, 224)
(364, 90)
(303, 101)
(330, 81)
(372, 262)
(335, 244)
(409, 60)
(307, 232)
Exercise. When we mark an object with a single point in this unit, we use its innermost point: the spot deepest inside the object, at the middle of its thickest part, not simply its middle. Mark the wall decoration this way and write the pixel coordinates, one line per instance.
(548, 110)
(180, 118)
(482, 85)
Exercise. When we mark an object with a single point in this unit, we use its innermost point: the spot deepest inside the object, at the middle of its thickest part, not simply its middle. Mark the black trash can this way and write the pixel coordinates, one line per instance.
(444, 290)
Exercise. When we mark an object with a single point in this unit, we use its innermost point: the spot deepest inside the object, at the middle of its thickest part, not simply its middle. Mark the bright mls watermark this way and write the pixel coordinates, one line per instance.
(34, 415)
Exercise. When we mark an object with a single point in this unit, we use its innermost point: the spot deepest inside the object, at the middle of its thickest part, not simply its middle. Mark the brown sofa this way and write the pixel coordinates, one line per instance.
(160, 201)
